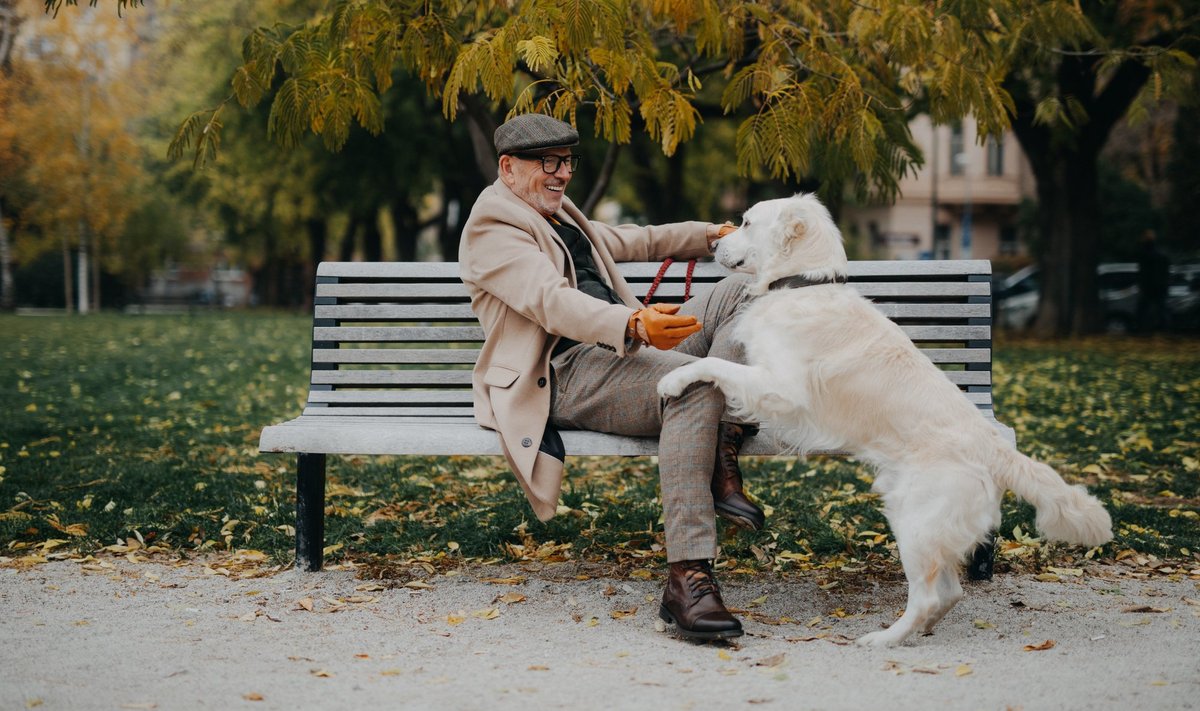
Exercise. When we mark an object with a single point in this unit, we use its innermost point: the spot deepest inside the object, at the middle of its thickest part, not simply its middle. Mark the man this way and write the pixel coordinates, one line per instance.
(568, 346)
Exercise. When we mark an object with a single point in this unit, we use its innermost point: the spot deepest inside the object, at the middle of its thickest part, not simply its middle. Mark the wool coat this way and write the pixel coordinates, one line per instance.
(522, 285)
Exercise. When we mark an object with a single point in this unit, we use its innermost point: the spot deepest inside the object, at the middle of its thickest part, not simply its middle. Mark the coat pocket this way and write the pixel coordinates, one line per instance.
(500, 377)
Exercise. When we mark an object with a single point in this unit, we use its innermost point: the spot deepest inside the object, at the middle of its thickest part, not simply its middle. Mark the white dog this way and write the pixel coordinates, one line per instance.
(826, 370)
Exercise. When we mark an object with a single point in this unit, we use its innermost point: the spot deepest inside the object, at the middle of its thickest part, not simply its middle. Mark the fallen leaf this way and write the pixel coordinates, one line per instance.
(455, 619)
(321, 673)
(722, 654)
(1048, 578)
(252, 696)
(249, 616)
(514, 580)
(963, 670)
(305, 603)
(538, 667)
(593, 622)
(983, 625)
(359, 599)
(510, 598)
(1048, 644)
(772, 661)
(757, 601)
(418, 585)
(370, 587)
(490, 613)
(391, 672)
(621, 614)
(1145, 608)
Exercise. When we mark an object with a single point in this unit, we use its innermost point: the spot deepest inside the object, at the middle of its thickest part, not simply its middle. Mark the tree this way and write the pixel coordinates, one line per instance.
(1069, 92)
(828, 86)
(65, 133)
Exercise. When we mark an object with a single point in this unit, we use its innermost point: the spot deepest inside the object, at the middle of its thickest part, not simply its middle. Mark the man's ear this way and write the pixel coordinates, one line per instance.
(505, 169)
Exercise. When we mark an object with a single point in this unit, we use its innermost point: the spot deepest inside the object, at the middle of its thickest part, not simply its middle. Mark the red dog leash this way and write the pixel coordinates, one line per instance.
(662, 271)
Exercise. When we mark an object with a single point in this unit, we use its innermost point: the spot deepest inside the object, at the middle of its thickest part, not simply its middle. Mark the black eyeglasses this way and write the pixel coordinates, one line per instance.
(551, 163)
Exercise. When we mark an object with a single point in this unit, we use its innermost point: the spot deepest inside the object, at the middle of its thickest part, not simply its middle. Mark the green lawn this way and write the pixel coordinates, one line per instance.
(145, 427)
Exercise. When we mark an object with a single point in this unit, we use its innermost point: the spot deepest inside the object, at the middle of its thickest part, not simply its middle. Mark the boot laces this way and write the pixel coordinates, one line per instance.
(700, 580)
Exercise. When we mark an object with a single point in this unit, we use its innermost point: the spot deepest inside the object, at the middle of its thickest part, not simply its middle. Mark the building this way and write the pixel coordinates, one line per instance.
(963, 203)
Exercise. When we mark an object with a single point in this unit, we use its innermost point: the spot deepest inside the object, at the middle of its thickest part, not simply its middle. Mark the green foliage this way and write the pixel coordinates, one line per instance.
(124, 427)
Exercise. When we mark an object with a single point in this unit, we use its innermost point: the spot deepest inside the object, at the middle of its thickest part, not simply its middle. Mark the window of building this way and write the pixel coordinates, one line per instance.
(995, 155)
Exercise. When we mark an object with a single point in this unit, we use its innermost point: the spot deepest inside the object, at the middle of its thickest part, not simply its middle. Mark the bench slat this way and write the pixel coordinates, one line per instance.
(462, 312)
(394, 397)
(428, 271)
(473, 334)
(383, 356)
(462, 378)
(424, 412)
(416, 436)
(395, 355)
(671, 289)
(398, 334)
(392, 377)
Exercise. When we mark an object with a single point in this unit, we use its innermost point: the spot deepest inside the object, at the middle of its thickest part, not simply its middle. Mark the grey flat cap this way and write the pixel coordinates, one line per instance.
(533, 132)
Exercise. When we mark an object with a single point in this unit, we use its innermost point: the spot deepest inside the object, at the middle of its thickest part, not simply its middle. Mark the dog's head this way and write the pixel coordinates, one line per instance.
(786, 237)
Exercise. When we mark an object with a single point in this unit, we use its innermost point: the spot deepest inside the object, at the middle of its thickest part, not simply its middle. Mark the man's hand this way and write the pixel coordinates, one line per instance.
(716, 232)
(659, 326)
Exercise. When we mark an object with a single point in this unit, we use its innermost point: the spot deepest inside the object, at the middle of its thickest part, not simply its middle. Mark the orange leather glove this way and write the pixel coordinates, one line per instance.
(720, 232)
(659, 326)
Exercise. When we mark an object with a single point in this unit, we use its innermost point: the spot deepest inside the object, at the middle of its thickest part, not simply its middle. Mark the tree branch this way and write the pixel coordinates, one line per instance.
(603, 179)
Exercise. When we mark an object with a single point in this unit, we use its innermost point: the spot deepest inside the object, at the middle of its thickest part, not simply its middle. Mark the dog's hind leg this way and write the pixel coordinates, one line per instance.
(930, 553)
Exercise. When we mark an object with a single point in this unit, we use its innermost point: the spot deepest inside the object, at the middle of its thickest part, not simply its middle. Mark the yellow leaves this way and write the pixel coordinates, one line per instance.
(511, 580)
(622, 614)
(253, 696)
(1041, 647)
(510, 598)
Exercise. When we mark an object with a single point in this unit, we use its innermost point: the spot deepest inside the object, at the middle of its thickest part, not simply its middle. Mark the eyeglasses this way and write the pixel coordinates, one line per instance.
(551, 163)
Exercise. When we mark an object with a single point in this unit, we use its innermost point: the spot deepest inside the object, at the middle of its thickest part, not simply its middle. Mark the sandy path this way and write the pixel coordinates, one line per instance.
(158, 636)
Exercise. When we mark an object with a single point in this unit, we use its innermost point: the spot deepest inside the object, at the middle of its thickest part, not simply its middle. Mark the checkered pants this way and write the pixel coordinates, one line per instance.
(594, 389)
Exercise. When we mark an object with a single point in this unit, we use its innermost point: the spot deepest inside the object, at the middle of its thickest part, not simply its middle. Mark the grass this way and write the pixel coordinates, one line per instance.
(117, 428)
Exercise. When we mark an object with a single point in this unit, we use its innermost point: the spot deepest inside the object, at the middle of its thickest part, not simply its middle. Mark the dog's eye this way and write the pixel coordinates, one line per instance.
(745, 223)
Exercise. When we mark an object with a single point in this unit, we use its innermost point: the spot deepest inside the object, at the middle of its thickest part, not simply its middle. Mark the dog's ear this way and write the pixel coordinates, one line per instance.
(793, 226)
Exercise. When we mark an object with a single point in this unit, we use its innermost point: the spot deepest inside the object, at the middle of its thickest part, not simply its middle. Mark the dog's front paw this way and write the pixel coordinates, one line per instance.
(674, 383)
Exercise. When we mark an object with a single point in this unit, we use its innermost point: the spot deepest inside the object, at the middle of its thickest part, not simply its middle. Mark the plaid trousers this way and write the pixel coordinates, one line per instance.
(594, 389)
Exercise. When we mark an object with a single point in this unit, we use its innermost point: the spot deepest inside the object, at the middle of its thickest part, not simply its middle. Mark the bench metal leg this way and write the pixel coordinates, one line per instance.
(310, 511)
(982, 559)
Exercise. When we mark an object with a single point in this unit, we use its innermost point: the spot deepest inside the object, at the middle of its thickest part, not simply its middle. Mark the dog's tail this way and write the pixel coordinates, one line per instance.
(1064, 512)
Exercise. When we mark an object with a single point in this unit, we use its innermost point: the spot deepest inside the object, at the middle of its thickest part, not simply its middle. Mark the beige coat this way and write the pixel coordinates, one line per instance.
(522, 290)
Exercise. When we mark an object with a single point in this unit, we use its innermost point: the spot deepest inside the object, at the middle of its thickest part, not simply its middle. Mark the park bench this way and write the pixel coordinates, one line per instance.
(393, 345)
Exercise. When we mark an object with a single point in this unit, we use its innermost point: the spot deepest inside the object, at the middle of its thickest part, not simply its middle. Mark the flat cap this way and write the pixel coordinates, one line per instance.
(533, 132)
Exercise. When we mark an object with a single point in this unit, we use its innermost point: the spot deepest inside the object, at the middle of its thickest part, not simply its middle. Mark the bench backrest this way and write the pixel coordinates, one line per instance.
(399, 338)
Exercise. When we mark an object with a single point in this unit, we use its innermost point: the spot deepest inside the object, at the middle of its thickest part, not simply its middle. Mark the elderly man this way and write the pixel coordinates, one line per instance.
(568, 346)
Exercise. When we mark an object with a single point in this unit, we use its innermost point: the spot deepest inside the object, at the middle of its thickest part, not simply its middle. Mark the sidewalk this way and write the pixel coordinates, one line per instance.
(157, 636)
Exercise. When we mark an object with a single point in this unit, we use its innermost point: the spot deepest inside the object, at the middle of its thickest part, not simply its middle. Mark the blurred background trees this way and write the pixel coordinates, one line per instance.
(361, 130)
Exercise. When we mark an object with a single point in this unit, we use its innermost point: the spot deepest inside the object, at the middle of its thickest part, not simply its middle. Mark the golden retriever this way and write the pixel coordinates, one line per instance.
(826, 370)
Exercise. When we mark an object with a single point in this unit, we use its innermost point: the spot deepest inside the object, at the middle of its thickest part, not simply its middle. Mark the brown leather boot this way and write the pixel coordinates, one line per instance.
(692, 602)
(729, 500)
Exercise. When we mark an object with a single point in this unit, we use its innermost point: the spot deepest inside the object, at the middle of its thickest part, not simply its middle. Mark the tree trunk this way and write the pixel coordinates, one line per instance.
(318, 236)
(1068, 211)
(372, 238)
(8, 290)
(404, 221)
(66, 254)
(602, 180)
(346, 246)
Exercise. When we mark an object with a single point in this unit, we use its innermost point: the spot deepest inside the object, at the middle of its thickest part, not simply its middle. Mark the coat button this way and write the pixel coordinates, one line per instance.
(526, 442)
(541, 382)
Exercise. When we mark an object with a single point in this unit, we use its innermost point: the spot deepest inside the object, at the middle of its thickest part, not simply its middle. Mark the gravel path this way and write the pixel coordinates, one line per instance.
(119, 635)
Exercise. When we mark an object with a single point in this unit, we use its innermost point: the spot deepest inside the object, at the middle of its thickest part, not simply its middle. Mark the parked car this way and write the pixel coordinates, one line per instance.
(1017, 297)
